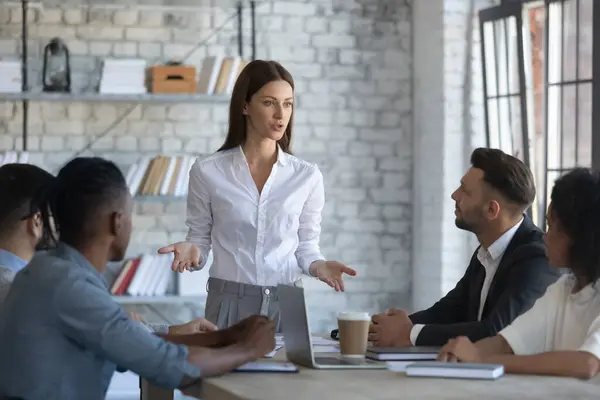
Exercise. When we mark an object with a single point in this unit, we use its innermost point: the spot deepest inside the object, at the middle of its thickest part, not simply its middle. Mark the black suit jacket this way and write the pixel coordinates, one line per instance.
(521, 278)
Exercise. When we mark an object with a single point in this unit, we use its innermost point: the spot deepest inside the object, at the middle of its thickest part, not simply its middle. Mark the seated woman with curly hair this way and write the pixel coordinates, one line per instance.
(560, 334)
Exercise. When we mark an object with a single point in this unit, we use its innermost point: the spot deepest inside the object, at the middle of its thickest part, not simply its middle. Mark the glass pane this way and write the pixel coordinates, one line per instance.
(506, 140)
(516, 128)
(552, 177)
(586, 28)
(554, 42)
(569, 130)
(493, 123)
(490, 59)
(569, 44)
(513, 56)
(554, 127)
(501, 50)
(584, 131)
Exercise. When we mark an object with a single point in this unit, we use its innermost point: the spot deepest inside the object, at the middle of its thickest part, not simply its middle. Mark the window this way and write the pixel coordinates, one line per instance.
(553, 82)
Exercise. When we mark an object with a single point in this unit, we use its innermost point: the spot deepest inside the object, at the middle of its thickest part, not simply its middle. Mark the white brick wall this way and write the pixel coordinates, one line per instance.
(352, 64)
(447, 70)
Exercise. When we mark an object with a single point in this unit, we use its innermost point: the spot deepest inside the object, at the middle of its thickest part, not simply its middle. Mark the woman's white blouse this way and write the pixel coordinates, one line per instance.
(264, 239)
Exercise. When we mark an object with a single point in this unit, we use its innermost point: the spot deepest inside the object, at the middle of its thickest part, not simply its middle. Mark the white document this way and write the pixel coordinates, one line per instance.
(267, 366)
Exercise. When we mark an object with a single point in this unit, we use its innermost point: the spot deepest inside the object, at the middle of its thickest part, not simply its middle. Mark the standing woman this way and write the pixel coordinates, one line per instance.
(257, 205)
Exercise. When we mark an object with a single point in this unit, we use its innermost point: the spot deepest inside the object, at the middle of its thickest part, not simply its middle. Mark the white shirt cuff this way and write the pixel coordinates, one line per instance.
(414, 333)
(305, 263)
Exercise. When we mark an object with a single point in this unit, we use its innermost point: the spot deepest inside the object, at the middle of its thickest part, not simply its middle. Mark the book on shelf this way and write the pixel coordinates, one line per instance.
(160, 176)
(9, 157)
(149, 275)
(146, 275)
(10, 76)
(218, 74)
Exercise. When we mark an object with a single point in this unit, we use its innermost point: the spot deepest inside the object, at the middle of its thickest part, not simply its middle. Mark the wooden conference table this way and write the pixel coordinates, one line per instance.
(375, 385)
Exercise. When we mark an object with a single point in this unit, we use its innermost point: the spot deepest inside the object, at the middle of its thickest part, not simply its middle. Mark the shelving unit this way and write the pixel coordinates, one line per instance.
(27, 95)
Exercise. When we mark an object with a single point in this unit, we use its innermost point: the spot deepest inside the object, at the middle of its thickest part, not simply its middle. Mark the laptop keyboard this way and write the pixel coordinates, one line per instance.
(342, 361)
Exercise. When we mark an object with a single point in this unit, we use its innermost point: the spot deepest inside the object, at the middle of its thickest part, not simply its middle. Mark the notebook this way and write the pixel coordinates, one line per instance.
(455, 370)
(402, 353)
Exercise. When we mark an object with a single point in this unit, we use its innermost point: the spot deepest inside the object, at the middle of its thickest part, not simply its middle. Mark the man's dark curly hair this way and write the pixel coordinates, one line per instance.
(576, 205)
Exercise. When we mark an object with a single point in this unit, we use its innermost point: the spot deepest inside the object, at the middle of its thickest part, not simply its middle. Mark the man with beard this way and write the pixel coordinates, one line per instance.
(507, 273)
(21, 227)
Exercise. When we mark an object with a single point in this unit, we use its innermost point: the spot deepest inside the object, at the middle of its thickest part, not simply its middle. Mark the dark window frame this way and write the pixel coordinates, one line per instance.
(508, 8)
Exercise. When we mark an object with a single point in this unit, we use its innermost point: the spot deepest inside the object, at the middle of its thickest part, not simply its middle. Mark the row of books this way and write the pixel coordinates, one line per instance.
(152, 176)
(147, 275)
(160, 176)
(151, 275)
(219, 73)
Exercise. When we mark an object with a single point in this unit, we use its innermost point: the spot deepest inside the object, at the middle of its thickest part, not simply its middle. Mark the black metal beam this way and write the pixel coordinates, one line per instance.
(240, 31)
(596, 88)
(24, 69)
(253, 23)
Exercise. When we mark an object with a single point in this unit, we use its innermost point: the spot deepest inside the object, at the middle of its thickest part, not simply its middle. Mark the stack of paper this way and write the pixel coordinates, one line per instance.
(10, 76)
(123, 76)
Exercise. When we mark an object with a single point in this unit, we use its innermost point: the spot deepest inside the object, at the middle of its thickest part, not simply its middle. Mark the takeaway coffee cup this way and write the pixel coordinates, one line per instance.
(353, 333)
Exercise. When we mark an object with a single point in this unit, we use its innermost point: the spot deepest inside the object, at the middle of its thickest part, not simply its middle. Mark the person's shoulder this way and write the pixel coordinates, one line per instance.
(207, 165)
(562, 287)
(53, 269)
(7, 276)
(214, 158)
(300, 165)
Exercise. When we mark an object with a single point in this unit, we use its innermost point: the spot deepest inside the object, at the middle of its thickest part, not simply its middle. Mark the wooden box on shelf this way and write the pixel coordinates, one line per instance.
(172, 79)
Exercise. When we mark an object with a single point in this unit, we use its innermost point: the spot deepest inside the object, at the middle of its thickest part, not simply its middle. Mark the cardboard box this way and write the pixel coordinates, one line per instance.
(170, 79)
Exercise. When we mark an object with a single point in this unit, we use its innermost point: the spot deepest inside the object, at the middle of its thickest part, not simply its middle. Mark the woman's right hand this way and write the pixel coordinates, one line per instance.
(187, 256)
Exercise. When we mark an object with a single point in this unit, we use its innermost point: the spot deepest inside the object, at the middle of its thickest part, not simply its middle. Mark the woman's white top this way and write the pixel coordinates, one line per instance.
(264, 239)
(559, 320)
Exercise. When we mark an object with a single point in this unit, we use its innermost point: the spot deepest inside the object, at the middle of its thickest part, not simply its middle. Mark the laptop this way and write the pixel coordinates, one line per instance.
(298, 340)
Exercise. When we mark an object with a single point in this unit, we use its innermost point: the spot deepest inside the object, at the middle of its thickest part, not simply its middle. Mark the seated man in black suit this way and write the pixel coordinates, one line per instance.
(507, 273)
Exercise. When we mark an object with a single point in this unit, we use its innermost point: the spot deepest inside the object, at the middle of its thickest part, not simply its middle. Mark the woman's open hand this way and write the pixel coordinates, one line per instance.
(186, 256)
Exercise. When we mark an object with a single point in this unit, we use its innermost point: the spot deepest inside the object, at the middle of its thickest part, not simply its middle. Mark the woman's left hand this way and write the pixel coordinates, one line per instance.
(331, 272)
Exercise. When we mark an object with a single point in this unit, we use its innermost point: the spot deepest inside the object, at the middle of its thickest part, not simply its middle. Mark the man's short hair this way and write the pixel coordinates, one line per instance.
(507, 174)
(20, 188)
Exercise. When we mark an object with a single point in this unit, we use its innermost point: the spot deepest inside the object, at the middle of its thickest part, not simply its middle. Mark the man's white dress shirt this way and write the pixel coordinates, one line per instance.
(490, 259)
(260, 239)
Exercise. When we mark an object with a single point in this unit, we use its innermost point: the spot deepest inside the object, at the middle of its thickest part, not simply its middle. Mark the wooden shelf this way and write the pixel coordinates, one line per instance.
(168, 299)
(178, 5)
(117, 98)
